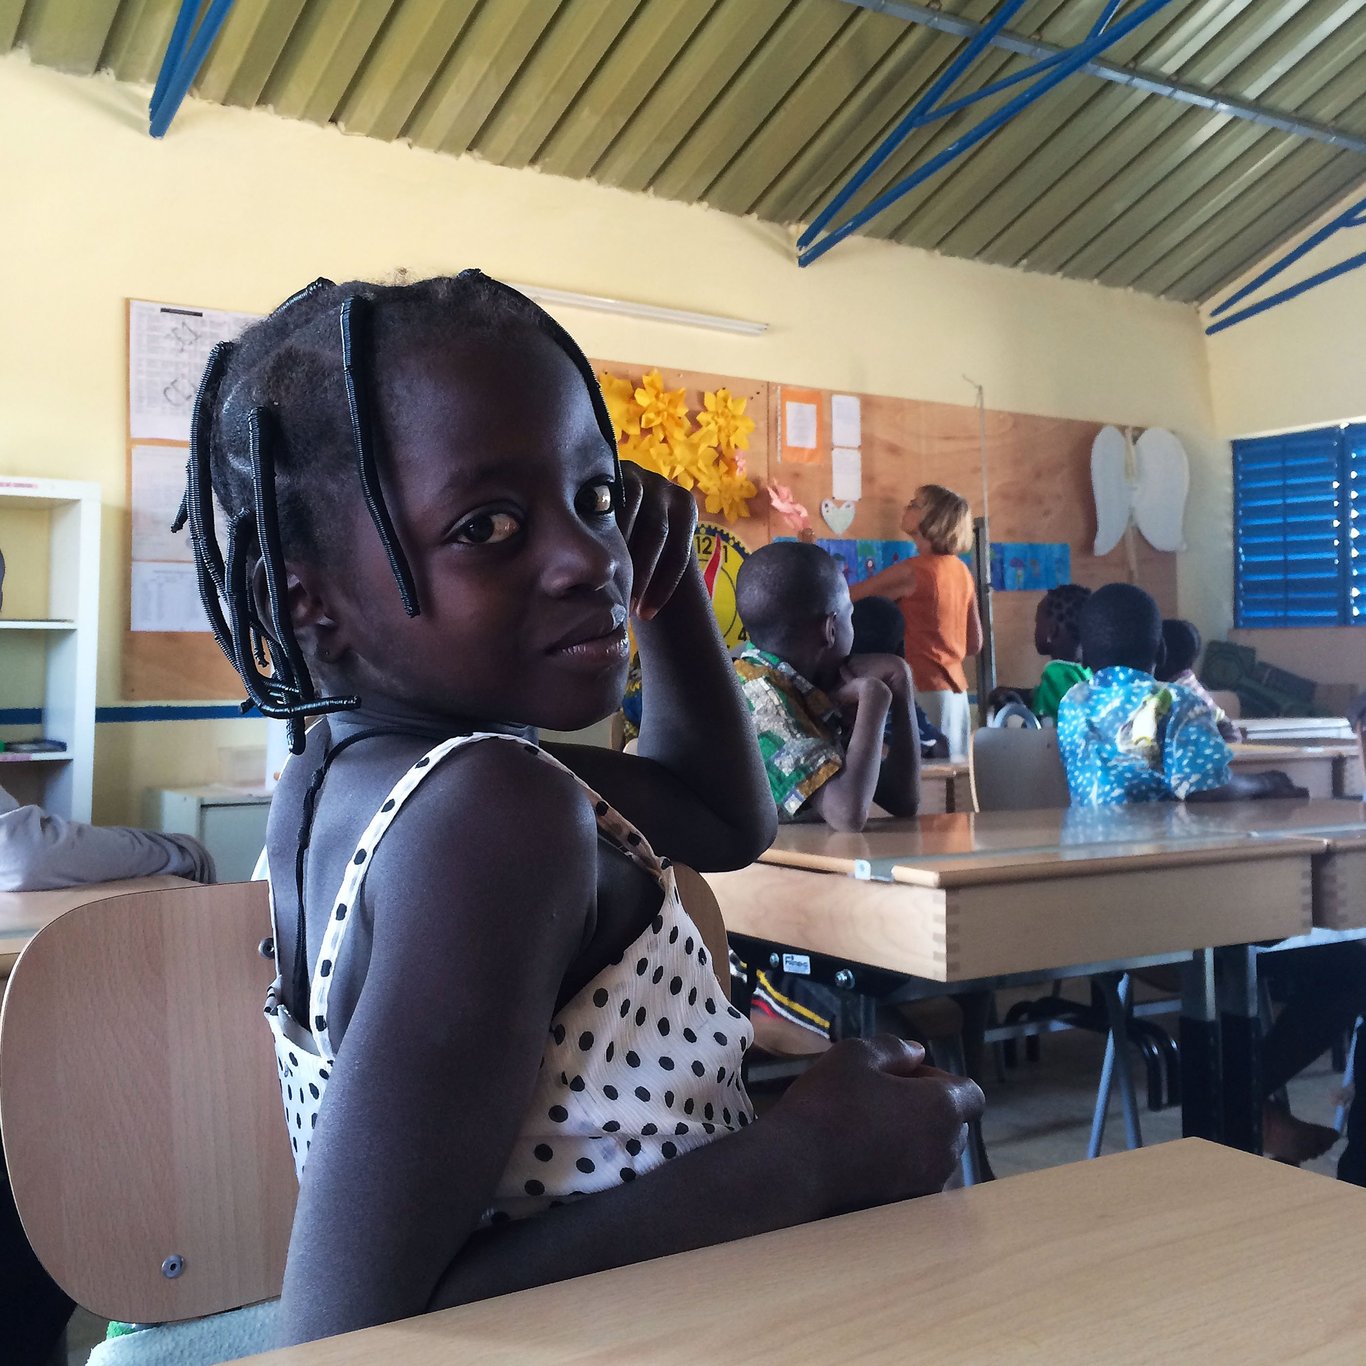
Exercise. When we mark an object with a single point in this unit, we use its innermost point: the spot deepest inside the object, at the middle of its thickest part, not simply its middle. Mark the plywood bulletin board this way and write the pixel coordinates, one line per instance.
(1040, 491)
(1040, 487)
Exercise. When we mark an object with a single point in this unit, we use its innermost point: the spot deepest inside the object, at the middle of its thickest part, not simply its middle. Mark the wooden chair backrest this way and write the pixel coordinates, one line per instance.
(1016, 770)
(140, 1108)
(705, 912)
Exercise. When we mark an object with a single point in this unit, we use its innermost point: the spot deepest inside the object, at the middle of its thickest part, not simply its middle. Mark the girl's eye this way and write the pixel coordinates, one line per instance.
(487, 528)
(596, 500)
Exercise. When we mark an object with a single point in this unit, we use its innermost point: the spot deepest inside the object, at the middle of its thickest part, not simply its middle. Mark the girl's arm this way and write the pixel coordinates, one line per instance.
(696, 786)
(896, 581)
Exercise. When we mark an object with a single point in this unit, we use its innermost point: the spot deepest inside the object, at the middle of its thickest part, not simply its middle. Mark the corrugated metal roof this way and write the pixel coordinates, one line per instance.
(767, 106)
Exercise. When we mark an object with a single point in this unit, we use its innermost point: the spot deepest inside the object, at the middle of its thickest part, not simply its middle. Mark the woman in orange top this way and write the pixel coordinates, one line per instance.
(938, 598)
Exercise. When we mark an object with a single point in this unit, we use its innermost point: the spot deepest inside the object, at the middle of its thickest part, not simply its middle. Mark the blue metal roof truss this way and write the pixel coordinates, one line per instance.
(1050, 71)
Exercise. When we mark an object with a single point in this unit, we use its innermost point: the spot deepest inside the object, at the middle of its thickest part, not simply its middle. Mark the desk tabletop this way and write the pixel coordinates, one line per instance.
(1000, 846)
(1181, 1252)
(1288, 751)
(23, 914)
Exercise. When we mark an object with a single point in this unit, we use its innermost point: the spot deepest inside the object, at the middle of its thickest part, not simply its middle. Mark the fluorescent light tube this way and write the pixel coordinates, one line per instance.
(650, 312)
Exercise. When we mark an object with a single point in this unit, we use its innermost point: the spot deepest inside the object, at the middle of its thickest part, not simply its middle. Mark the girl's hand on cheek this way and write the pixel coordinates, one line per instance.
(657, 519)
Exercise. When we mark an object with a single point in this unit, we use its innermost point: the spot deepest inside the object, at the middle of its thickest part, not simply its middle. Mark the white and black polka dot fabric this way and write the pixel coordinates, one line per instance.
(641, 1066)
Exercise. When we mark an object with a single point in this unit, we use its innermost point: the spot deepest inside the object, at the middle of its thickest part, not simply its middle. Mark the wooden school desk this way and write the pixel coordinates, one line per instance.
(1339, 912)
(1324, 768)
(944, 786)
(1182, 1252)
(998, 898)
(23, 914)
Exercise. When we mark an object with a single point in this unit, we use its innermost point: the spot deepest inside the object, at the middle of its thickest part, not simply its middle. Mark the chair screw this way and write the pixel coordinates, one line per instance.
(844, 979)
(173, 1266)
(774, 960)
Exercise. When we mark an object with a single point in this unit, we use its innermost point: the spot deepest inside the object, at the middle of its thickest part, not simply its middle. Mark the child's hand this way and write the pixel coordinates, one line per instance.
(1278, 784)
(889, 669)
(657, 519)
(851, 693)
(879, 1124)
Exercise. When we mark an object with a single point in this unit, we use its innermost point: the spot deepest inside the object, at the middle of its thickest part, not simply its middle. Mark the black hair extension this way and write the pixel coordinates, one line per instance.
(354, 316)
(290, 674)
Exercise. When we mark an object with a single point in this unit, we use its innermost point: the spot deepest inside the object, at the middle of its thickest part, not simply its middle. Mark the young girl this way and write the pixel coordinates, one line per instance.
(938, 598)
(492, 1013)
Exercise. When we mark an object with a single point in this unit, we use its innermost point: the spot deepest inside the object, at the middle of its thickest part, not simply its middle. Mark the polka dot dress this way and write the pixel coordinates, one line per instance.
(640, 1066)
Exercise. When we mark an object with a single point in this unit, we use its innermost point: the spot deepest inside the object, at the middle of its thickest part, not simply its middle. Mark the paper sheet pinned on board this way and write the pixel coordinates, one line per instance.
(799, 426)
(165, 597)
(168, 347)
(846, 467)
(846, 421)
(158, 484)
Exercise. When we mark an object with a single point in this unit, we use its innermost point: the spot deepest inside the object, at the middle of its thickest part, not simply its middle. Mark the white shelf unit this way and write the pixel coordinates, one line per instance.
(65, 516)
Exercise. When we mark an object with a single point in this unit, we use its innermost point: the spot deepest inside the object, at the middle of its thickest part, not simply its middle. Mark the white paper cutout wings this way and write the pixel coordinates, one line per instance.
(1148, 480)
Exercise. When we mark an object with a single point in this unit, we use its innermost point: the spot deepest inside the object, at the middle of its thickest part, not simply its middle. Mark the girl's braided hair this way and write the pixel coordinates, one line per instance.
(282, 417)
(1063, 606)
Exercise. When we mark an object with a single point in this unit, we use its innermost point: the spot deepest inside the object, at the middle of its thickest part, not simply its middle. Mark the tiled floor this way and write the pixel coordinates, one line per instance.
(1039, 1116)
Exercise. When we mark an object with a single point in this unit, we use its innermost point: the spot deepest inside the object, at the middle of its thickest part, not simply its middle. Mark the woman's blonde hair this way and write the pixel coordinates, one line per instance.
(945, 519)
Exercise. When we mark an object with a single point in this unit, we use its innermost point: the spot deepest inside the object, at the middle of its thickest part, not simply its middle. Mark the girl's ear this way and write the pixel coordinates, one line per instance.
(829, 630)
(315, 628)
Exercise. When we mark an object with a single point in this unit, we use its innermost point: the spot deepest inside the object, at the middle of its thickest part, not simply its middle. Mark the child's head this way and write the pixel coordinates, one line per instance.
(795, 604)
(940, 518)
(1056, 622)
(879, 627)
(1180, 648)
(420, 485)
(1120, 625)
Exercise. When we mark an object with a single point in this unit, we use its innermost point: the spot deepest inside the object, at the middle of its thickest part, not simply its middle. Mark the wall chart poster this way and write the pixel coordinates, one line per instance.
(168, 346)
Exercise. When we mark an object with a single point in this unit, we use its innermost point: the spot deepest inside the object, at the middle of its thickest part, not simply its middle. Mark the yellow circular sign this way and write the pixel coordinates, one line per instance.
(720, 553)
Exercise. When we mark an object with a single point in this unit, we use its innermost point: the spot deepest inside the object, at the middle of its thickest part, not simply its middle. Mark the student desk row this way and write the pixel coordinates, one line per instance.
(1182, 1252)
(1324, 768)
(961, 901)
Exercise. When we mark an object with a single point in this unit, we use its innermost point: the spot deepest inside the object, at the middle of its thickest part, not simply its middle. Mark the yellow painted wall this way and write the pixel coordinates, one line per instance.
(1301, 364)
(236, 209)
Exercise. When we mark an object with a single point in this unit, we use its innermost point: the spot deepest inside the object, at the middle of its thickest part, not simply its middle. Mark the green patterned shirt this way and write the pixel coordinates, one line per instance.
(797, 726)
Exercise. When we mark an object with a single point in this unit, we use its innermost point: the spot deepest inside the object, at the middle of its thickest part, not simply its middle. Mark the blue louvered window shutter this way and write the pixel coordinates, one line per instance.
(1292, 523)
(1354, 453)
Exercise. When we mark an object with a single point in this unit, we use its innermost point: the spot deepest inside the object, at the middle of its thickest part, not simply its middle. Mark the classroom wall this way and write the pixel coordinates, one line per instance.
(1300, 364)
(236, 209)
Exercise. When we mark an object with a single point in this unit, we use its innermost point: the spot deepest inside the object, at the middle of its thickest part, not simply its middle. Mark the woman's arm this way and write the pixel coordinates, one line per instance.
(975, 637)
(696, 786)
(896, 581)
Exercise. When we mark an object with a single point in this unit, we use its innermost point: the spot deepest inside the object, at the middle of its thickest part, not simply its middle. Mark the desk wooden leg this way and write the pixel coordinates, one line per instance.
(1240, 1046)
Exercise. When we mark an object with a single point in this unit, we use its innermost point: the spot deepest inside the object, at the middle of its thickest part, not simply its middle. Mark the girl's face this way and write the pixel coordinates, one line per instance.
(500, 484)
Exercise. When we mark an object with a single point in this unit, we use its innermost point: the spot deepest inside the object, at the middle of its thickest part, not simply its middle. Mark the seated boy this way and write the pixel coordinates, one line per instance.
(880, 629)
(1180, 649)
(1125, 737)
(1056, 638)
(820, 714)
(820, 710)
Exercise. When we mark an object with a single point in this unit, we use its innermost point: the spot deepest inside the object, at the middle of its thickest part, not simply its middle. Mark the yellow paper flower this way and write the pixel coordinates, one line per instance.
(692, 461)
(726, 491)
(664, 410)
(649, 452)
(619, 395)
(723, 417)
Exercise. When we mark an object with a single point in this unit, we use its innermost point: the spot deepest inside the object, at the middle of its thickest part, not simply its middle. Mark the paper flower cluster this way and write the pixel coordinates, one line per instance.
(655, 430)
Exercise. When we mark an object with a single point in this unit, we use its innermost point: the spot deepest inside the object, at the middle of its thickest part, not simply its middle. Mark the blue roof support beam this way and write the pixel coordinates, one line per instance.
(1055, 67)
(185, 53)
(1354, 217)
(1149, 82)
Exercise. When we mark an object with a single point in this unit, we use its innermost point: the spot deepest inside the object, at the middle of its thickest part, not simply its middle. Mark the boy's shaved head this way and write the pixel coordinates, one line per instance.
(1120, 625)
(782, 586)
